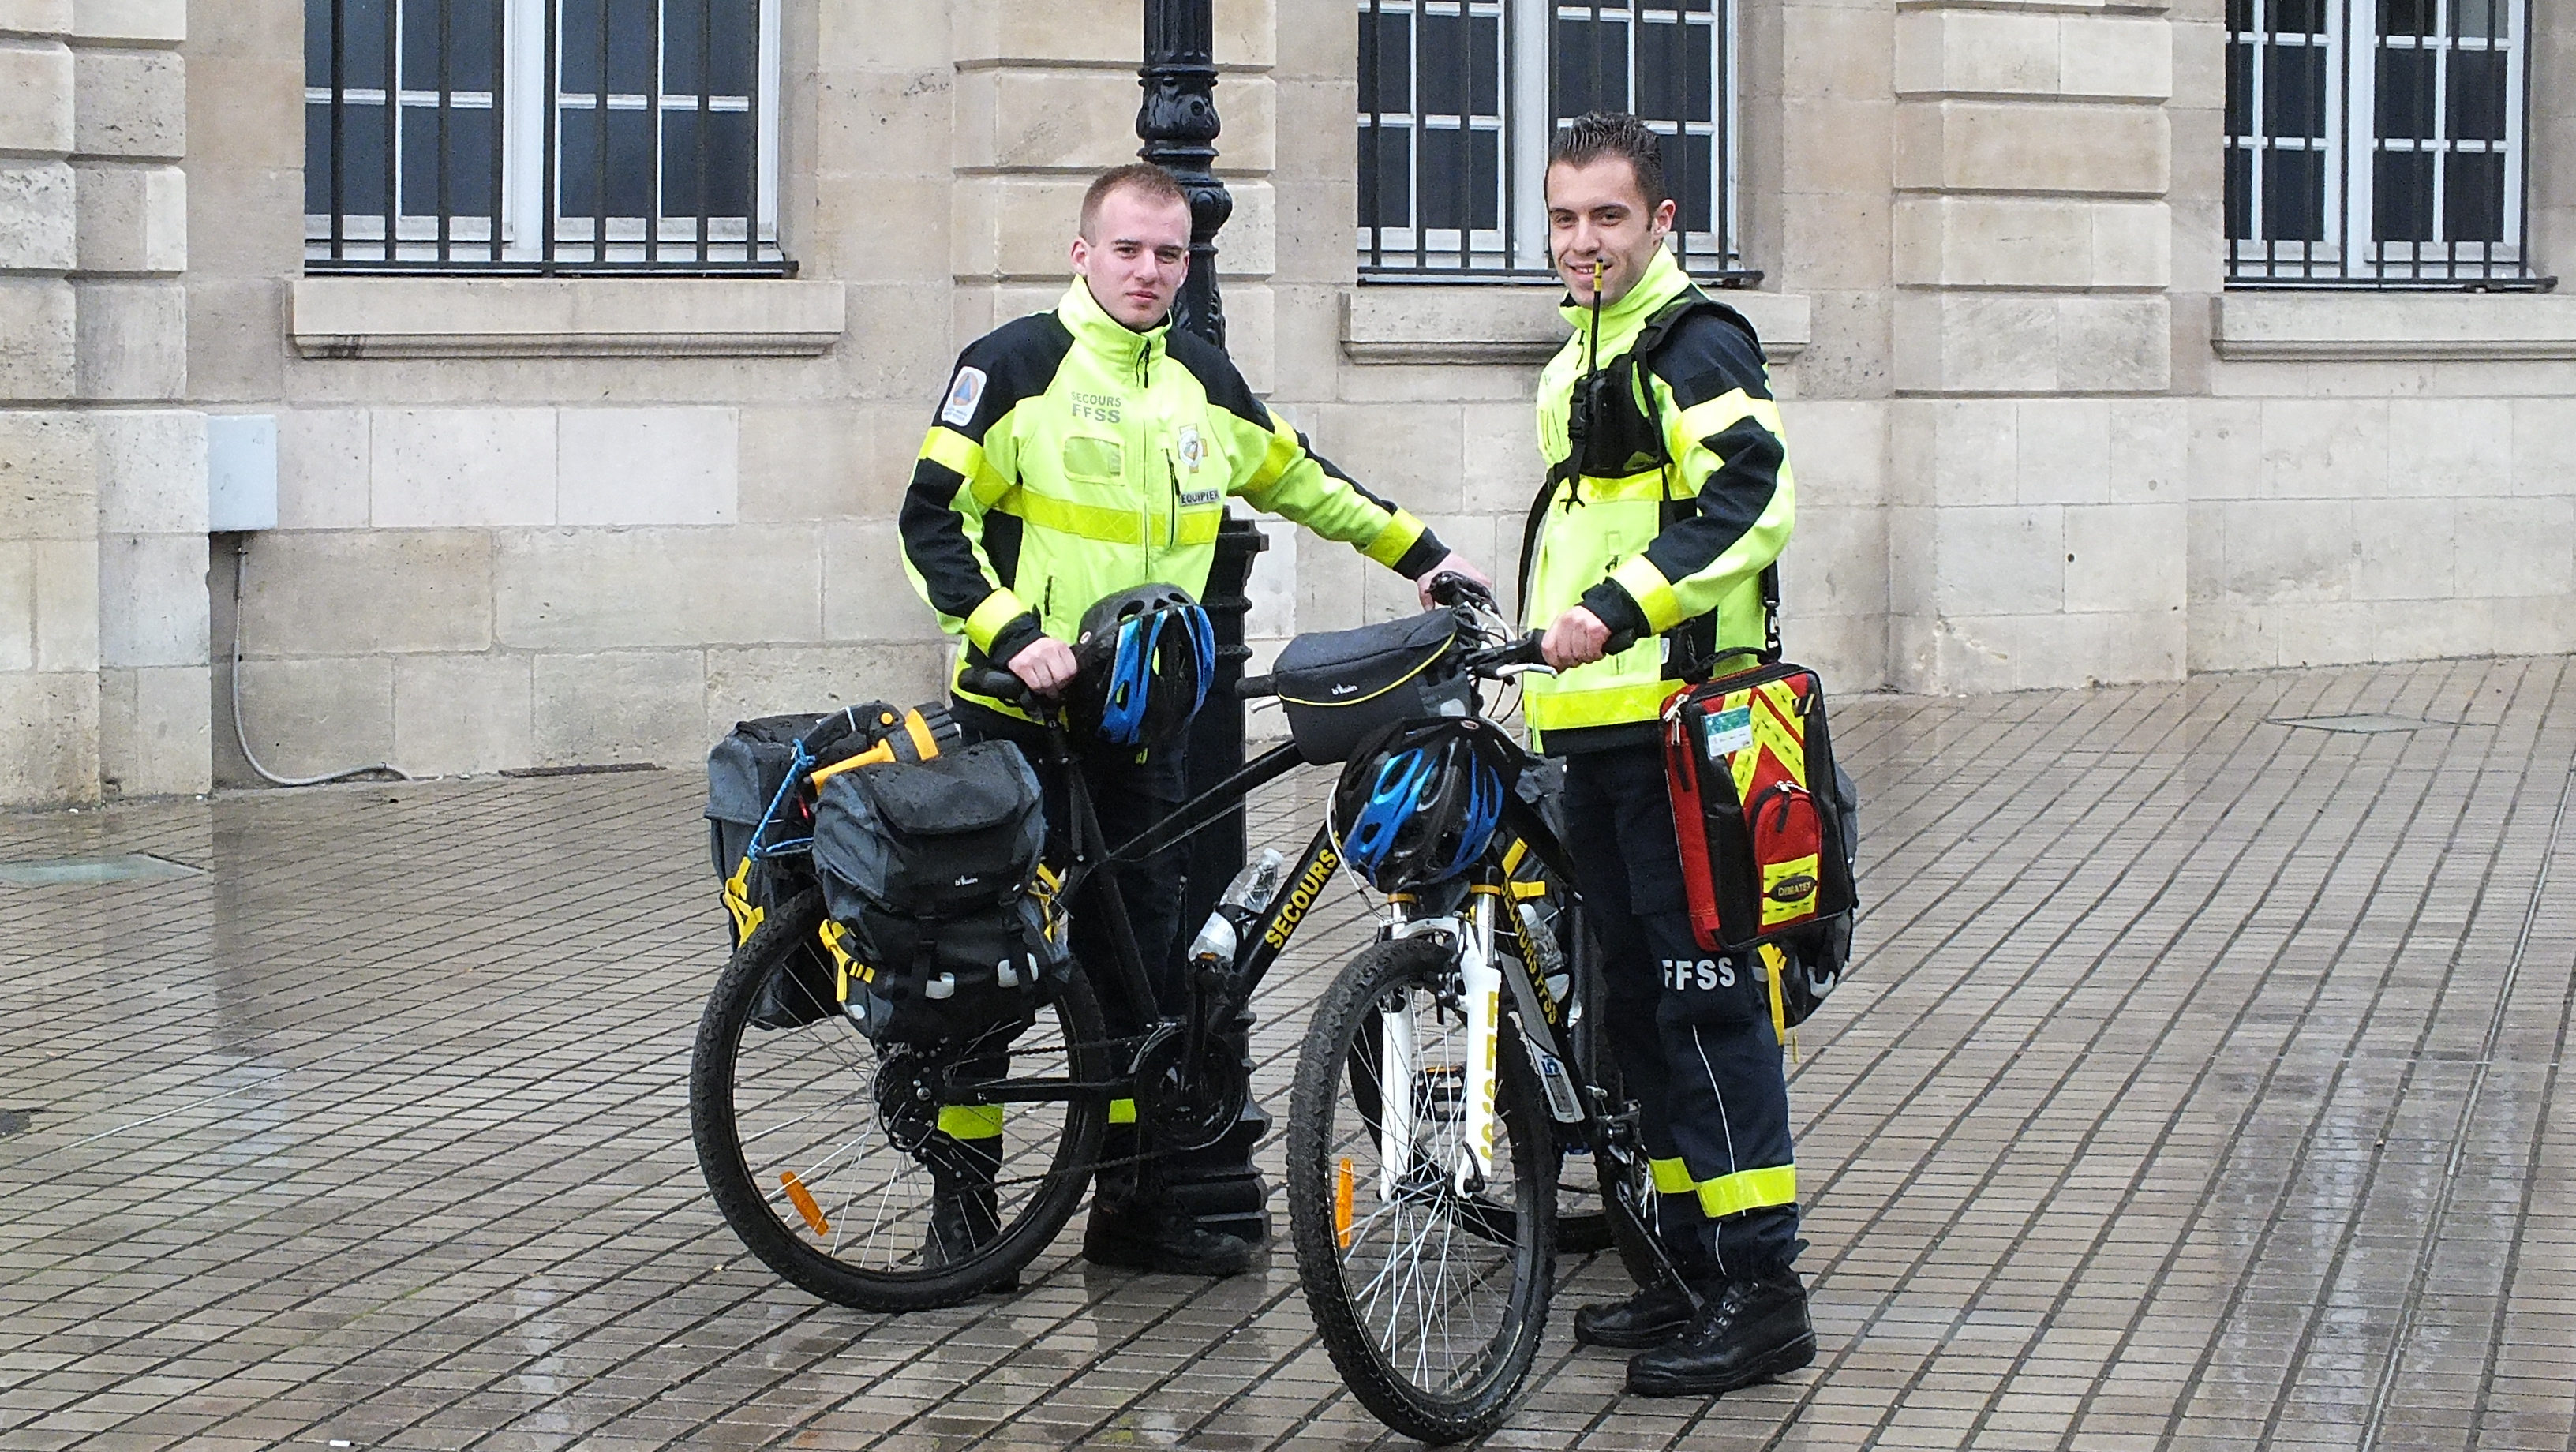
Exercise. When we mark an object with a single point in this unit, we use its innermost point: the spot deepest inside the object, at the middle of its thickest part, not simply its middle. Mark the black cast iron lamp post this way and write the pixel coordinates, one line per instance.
(1178, 125)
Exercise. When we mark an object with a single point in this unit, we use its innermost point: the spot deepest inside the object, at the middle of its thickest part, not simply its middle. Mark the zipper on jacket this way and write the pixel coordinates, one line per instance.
(1172, 535)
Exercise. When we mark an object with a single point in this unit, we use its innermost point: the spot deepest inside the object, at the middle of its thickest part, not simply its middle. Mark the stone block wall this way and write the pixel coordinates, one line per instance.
(588, 520)
(102, 479)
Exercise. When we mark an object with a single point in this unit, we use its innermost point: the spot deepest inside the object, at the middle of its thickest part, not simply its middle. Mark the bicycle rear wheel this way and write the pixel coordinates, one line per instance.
(1430, 1301)
(835, 1159)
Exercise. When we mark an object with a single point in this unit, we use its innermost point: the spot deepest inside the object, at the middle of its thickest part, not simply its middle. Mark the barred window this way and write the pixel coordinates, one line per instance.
(541, 136)
(2377, 142)
(1458, 100)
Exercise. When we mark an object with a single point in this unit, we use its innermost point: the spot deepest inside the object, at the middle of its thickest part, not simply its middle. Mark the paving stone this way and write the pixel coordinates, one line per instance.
(2199, 1086)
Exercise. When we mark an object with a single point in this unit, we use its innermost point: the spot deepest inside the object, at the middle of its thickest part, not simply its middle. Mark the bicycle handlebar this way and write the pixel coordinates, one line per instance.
(998, 684)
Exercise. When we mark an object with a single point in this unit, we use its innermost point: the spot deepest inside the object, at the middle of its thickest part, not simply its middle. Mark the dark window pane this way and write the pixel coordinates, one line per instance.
(2473, 197)
(1485, 63)
(1591, 66)
(1386, 177)
(1690, 176)
(730, 164)
(2240, 192)
(1442, 85)
(1386, 63)
(2406, 93)
(2478, 19)
(363, 55)
(2240, 90)
(362, 180)
(467, 165)
(1454, 191)
(629, 158)
(625, 27)
(2401, 197)
(734, 32)
(2294, 91)
(2240, 16)
(1661, 60)
(2294, 196)
(2297, 17)
(472, 30)
(2406, 17)
(2476, 102)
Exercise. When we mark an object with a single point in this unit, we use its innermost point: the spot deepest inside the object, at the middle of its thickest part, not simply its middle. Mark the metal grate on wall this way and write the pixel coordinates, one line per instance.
(2379, 144)
(541, 136)
(1459, 99)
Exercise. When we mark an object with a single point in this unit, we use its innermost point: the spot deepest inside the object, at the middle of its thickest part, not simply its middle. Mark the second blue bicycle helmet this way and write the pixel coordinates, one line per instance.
(1145, 659)
(1421, 808)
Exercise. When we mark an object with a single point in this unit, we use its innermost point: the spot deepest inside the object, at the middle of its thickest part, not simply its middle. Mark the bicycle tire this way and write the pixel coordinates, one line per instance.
(809, 1166)
(1495, 1251)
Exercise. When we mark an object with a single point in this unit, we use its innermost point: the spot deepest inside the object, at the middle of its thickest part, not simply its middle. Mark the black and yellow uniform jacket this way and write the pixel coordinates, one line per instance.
(1074, 457)
(1664, 527)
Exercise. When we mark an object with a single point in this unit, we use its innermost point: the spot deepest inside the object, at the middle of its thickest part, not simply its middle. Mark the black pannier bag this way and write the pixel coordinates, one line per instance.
(1340, 687)
(744, 774)
(926, 872)
(939, 839)
(941, 980)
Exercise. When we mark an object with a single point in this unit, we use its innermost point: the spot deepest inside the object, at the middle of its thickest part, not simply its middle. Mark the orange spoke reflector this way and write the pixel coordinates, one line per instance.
(1342, 1205)
(803, 1200)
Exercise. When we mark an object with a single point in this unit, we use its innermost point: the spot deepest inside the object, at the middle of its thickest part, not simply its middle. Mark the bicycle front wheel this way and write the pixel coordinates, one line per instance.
(844, 1164)
(1430, 1300)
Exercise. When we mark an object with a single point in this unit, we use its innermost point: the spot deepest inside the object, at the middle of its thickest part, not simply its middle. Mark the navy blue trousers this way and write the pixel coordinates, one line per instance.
(1691, 1030)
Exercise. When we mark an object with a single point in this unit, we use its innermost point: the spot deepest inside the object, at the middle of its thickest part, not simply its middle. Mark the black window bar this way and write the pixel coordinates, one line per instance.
(1459, 99)
(650, 151)
(2379, 144)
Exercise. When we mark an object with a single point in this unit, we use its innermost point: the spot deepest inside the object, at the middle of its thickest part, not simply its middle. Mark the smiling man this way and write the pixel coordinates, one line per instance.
(1667, 500)
(1087, 451)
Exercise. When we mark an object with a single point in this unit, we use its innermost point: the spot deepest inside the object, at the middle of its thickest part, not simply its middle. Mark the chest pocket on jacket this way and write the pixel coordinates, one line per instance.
(1094, 460)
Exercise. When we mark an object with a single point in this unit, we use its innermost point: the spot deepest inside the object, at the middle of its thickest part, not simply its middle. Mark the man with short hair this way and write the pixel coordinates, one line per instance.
(1667, 498)
(1089, 450)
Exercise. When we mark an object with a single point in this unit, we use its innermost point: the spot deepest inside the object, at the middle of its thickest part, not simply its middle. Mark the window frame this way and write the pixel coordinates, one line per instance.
(1527, 99)
(534, 239)
(2350, 253)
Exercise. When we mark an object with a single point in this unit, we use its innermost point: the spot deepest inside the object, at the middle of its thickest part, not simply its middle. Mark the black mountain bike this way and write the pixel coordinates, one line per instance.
(1450, 1090)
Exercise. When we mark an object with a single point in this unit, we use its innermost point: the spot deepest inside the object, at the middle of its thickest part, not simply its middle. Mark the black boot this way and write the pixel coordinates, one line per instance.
(1159, 1237)
(1746, 1332)
(965, 1213)
(1654, 1315)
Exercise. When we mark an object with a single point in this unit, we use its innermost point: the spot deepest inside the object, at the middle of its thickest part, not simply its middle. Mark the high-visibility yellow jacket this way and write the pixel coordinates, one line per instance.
(1074, 457)
(1664, 527)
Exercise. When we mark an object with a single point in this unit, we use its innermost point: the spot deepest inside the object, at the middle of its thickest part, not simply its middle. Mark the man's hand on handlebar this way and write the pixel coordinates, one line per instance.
(1577, 638)
(1044, 665)
(1450, 564)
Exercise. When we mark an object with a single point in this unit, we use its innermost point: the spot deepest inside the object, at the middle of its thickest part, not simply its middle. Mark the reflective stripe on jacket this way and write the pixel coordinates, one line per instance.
(1655, 549)
(1074, 457)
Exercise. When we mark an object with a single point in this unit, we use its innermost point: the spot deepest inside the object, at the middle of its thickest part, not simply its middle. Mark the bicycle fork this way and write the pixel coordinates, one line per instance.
(1480, 989)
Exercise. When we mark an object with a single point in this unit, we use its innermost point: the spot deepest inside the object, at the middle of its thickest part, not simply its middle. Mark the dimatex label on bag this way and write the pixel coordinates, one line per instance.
(1727, 731)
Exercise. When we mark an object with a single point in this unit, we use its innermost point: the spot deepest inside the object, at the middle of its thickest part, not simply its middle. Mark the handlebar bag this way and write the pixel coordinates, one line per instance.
(946, 837)
(1340, 687)
(1764, 819)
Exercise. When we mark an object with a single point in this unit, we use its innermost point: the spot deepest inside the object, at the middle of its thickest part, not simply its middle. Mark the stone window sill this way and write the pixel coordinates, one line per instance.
(546, 317)
(2394, 327)
(1513, 324)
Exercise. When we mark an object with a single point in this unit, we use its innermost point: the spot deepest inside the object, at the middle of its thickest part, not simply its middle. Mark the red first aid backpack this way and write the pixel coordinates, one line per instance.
(1766, 822)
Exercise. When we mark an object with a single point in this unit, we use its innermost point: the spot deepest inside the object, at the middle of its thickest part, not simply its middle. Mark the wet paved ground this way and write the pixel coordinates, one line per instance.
(2200, 1087)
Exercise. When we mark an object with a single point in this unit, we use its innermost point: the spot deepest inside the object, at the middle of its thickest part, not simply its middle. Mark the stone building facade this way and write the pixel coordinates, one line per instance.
(579, 519)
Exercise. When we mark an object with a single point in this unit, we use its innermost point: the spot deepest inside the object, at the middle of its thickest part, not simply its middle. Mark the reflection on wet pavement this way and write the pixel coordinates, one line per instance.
(2196, 1090)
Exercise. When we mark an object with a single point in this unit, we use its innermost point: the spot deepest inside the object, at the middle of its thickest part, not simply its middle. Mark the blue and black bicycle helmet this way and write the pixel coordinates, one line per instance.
(1145, 657)
(1421, 808)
